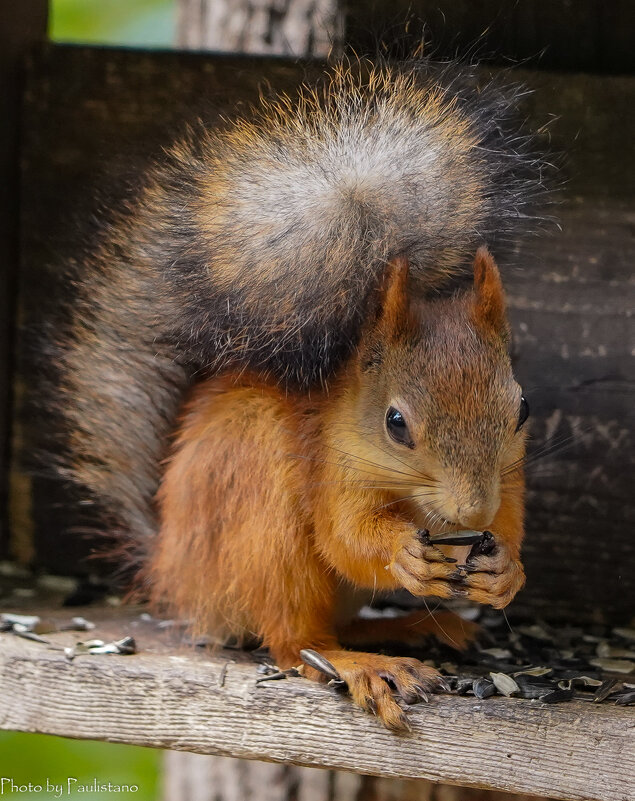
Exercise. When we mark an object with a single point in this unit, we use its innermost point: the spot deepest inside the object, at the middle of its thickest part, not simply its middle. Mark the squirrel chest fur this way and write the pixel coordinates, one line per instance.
(271, 499)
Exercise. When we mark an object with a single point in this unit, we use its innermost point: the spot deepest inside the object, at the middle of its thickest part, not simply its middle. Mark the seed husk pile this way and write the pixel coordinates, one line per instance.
(535, 661)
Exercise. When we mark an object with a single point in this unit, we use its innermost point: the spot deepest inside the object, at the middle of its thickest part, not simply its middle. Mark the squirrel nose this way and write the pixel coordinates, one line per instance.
(478, 515)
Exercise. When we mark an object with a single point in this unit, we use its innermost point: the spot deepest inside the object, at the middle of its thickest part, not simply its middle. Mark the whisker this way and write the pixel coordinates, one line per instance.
(439, 626)
(546, 450)
(391, 455)
(374, 464)
(325, 461)
(405, 498)
(509, 626)
(359, 485)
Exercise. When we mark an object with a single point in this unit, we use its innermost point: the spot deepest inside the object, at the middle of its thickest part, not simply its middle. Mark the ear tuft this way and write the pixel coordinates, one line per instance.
(489, 293)
(395, 305)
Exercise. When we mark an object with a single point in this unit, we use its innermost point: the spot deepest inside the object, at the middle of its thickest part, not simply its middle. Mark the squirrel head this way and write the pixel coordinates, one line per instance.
(436, 406)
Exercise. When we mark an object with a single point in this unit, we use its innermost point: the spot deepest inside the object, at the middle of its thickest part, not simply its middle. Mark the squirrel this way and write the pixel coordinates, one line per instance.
(248, 270)
(272, 499)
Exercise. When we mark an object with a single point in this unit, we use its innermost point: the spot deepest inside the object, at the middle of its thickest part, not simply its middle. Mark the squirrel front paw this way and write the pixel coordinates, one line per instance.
(422, 569)
(493, 578)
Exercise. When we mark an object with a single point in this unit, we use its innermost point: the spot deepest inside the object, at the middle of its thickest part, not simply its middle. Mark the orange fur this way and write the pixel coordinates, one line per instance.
(271, 499)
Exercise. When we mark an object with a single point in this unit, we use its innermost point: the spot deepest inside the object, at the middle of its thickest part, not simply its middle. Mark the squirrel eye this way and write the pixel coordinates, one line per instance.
(397, 428)
(523, 413)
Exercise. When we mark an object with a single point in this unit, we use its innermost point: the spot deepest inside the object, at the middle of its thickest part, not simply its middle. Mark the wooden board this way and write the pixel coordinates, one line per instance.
(164, 697)
(21, 26)
(548, 34)
(94, 116)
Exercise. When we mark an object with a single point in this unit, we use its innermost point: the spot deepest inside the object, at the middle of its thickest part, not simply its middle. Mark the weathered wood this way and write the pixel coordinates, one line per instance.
(186, 700)
(572, 315)
(196, 777)
(21, 26)
(279, 27)
(571, 297)
(548, 34)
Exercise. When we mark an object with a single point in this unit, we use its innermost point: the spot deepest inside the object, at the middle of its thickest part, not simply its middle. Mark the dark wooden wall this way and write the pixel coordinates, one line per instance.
(21, 26)
(573, 35)
(90, 114)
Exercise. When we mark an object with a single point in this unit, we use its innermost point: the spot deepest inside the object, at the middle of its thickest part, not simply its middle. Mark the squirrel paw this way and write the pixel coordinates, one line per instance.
(494, 579)
(422, 569)
(374, 679)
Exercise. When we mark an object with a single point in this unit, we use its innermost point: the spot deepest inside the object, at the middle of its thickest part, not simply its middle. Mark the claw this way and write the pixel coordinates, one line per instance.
(458, 575)
(422, 694)
(423, 535)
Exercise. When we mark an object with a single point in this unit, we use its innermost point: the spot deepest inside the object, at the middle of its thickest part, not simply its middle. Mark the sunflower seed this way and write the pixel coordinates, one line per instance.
(278, 674)
(466, 537)
(464, 686)
(557, 696)
(605, 689)
(613, 665)
(505, 684)
(483, 688)
(9, 621)
(535, 687)
(533, 671)
(624, 633)
(626, 699)
(265, 669)
(536, 632)
(605, 651)
(497, 653)
(77, 624)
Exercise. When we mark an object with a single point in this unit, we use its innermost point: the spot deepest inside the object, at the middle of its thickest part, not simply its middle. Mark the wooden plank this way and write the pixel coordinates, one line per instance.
(548, 34)
(572, 313)
(21, 26)
(95, 116)
(167, 697)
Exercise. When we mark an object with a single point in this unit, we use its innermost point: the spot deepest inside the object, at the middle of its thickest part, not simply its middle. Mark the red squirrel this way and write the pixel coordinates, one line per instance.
(272, 500)
(286, 260)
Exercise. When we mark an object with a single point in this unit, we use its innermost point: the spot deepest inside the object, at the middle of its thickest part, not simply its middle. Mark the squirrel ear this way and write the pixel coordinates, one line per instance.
(488, 290)
(394, 312)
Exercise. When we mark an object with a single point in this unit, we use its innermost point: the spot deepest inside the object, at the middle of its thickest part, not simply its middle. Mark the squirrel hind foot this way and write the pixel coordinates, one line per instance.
(376, 682)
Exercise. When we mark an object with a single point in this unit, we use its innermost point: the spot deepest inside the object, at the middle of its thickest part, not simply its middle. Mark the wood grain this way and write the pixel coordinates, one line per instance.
(22, 25)
(167, 697)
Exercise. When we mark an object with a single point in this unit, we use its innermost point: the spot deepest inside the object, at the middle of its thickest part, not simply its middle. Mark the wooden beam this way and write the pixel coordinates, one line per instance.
(169, 697)
(21, 26)
(548, 34)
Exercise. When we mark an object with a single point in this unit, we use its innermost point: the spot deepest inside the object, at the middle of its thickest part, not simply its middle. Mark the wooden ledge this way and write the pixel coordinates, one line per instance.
(180, 698)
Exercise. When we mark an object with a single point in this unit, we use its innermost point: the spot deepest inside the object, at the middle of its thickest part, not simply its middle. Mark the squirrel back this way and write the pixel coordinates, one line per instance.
(261, 245)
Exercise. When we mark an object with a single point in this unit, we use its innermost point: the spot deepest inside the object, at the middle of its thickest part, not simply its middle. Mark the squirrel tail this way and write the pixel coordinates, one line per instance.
(300, 207)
